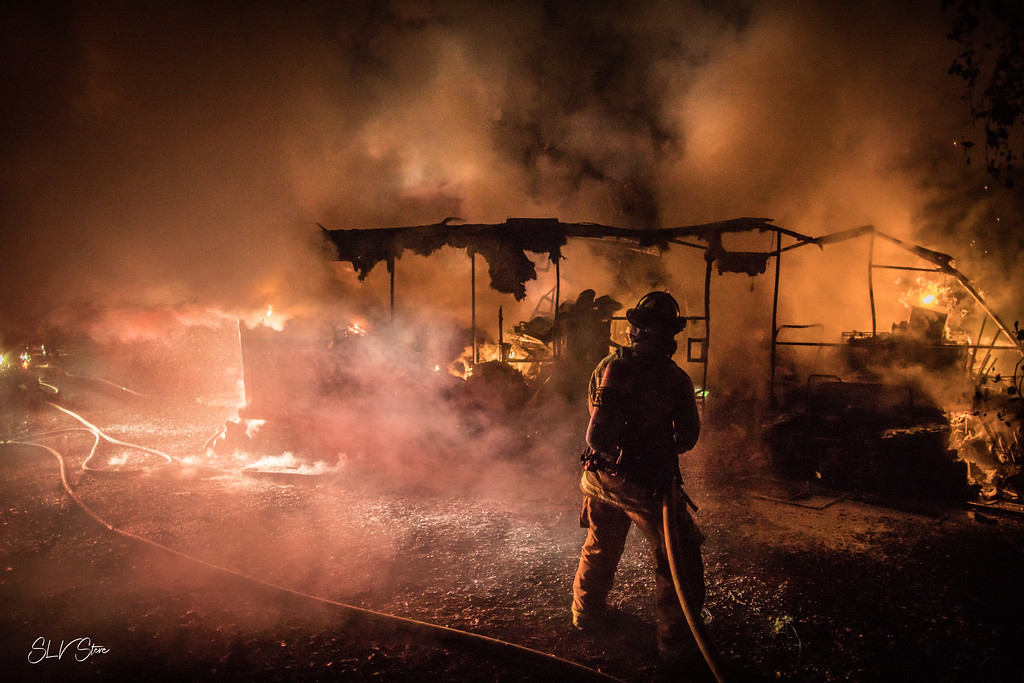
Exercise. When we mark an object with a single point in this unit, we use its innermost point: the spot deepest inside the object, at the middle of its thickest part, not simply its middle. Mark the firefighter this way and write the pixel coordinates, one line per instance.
(643, 415)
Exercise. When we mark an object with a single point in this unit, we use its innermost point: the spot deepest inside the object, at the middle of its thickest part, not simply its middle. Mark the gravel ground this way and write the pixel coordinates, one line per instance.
(812, 588)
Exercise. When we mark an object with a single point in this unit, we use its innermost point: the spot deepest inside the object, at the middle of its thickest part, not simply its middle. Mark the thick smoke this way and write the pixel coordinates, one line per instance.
(168, 163)
(168, 154)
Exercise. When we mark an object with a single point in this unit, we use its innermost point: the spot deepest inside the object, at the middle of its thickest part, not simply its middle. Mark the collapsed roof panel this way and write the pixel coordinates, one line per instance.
(505, 245)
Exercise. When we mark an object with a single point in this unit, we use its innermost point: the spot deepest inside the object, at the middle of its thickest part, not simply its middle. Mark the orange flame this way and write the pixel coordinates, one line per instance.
(928, 293)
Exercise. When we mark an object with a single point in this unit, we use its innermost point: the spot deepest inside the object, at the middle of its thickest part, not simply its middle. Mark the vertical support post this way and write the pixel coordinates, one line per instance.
(472, 297)
(775, 319)
(974, 352)
(707, 325)
(558, 301)
(501, 336)
(391, 272)
(241, 357)
(983, 369)
(871, 283)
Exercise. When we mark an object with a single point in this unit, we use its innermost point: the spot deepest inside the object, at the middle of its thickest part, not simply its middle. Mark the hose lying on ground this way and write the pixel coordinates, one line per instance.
(558, 666)
(126, 390)
(670, 520)
(109, 439)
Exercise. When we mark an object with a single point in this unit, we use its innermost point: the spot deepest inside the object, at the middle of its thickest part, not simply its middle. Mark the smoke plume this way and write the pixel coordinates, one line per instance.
(180, 156)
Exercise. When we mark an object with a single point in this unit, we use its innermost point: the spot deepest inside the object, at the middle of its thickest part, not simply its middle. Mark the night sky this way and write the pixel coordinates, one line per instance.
(179, 155)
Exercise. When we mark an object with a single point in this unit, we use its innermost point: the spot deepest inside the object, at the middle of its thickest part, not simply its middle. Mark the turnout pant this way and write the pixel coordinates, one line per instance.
(607, 526)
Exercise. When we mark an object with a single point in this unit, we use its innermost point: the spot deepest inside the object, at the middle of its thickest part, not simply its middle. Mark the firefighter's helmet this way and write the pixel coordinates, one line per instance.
(657, 312)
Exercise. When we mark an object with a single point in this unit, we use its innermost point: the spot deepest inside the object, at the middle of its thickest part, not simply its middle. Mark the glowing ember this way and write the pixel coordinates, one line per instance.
(927, 292)
(355, 328)
(268, 318)
(462, 367)
(287, 463)
(272, 321)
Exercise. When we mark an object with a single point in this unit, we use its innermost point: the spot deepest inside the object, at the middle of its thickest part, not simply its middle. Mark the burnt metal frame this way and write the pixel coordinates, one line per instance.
(943, 265)
(556, 350)
(710, 234)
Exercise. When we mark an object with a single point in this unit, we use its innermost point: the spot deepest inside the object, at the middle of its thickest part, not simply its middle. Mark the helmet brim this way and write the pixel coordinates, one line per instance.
(655, 321)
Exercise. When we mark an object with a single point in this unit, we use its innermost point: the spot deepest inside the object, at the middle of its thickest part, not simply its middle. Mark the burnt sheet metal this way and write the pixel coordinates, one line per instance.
(749, 262)
(504, 245)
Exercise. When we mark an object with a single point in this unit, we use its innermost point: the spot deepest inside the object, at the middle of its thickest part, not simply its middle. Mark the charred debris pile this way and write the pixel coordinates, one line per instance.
(873, 426)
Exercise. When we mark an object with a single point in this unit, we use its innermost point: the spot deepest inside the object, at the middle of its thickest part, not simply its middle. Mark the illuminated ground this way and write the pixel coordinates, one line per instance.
(850, 591)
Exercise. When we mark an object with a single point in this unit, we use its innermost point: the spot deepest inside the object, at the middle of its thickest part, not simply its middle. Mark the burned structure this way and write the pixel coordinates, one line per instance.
(861, 412)
(907, 411)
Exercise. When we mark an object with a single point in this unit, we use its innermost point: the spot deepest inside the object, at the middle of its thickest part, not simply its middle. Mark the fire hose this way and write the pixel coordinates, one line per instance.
(670, 521)
(570, 670)
(98, 433)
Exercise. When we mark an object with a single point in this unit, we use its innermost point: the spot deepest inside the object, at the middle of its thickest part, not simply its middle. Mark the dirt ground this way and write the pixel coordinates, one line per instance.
(234, 575)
